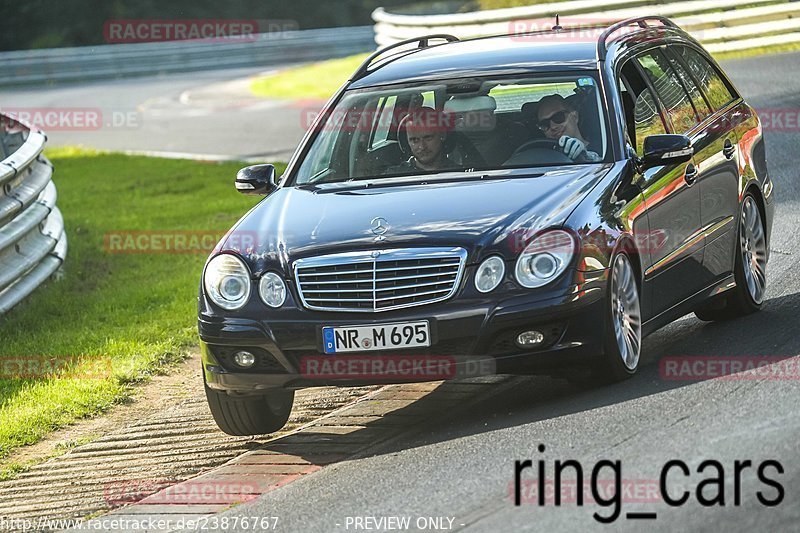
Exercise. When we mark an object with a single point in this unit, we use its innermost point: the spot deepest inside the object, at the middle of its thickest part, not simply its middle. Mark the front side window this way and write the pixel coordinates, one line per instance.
(642, 116)
(458, 125)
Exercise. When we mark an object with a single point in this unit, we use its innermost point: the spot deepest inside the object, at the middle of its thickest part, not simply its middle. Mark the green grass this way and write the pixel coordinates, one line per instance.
(500, 4)
(318, 80)
(764, 50)
(136, 310)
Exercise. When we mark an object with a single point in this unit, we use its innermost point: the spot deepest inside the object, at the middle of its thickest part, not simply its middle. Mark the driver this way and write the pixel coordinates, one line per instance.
(558, 120)
(426, 130)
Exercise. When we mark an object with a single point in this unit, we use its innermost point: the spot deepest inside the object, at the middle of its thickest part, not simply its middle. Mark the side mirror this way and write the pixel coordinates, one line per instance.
(666, 150)
(257, 179)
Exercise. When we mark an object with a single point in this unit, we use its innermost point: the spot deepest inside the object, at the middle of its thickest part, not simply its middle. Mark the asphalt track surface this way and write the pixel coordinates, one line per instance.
(197, 113)
(460, 465)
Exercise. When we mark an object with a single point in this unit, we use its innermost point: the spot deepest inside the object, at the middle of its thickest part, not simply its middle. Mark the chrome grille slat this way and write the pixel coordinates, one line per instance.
(340, 300)
(400, 297)
(330, 291)
(419, 276)
(393, 279)
(335, 273)
(443, 265)
(401, 287)
(369, 281)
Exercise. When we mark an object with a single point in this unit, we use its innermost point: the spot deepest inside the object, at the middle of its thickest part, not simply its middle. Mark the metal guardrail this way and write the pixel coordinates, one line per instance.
(122, 60)
(721, 25)
(33, 243)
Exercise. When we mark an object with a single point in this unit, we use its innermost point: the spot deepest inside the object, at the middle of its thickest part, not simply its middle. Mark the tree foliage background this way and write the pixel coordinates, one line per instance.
(54, 23)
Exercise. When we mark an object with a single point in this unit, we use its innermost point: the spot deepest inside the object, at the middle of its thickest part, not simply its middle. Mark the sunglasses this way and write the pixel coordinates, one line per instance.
(556, 118)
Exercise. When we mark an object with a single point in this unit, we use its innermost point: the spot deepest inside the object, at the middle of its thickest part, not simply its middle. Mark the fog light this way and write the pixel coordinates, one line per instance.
(244, 359)
(529, 339)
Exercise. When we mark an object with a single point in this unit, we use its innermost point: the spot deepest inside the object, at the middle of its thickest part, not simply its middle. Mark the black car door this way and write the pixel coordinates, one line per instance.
(673, 244)
(716, 151)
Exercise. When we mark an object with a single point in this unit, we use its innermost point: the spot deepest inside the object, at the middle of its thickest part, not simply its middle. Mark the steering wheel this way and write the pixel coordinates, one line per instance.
(540, 144)
(538, 151)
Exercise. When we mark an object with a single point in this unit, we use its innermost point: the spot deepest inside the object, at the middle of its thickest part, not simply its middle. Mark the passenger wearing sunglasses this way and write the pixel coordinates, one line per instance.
(558, 120)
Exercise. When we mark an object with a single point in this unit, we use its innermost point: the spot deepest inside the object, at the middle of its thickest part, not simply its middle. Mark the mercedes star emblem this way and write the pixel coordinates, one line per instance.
(379, 225)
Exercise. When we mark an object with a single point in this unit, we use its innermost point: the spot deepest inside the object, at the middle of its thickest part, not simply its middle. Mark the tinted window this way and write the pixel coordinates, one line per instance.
(456, 127)
(384, 120)
(673, 96)
(699, 102)
(712, 84)
(641, 113)
(648, 121)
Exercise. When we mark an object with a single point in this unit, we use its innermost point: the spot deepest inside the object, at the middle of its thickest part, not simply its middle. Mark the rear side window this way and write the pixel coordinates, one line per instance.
(670, 91)
(698, 101)
(711, 83)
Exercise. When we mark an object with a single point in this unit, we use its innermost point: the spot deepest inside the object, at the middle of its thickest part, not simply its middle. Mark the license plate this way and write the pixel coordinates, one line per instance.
(341, 339)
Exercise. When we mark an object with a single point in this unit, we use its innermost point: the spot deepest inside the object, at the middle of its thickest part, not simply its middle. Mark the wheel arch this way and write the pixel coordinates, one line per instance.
(627, 243)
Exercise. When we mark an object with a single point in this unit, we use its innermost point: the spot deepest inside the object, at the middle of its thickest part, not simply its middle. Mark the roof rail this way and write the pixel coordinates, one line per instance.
(422, 42)
(602, 49)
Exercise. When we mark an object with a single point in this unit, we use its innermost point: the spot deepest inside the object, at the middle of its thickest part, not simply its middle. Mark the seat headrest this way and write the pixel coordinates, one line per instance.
(529, 110)
(466, 104)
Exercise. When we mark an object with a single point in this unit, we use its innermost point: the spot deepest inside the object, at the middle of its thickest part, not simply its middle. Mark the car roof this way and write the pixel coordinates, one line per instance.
(485, 56)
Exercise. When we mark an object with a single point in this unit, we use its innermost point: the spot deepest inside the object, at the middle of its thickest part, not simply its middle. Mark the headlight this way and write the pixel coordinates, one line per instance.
(490, 274)
(227, 282)
(272, 289)
(545, 258)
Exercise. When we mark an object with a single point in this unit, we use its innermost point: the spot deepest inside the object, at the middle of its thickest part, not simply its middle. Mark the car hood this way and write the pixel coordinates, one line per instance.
(481, 215)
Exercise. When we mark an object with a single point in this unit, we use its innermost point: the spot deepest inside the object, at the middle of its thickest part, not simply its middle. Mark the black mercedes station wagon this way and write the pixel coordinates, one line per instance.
(515, 204)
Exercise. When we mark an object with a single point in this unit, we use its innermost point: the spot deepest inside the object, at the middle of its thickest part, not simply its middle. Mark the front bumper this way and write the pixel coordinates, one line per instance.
(470, 334)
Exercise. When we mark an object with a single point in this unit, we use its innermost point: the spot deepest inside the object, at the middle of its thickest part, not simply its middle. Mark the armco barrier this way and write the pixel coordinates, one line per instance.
(33, 243)
(135, 59)
(721, 25)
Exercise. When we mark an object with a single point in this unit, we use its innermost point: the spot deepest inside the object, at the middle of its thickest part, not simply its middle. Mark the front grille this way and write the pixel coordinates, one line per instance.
(379, 280)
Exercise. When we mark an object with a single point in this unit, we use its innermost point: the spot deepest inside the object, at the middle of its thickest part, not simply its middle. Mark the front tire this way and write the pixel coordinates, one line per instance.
(750, 269)
(250, 415)
(622, 339)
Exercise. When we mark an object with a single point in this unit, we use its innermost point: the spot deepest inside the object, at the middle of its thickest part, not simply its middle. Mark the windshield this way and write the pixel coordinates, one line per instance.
(458, 125)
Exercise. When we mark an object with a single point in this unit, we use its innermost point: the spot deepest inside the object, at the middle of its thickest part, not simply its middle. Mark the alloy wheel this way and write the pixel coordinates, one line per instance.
(753, 247)
(625, 311)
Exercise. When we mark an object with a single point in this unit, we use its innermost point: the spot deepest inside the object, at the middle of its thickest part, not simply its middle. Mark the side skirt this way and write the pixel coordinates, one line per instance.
(688, 305)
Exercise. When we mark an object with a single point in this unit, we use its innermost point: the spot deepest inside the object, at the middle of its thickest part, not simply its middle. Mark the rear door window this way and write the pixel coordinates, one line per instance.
(671, 92)
(700, 104)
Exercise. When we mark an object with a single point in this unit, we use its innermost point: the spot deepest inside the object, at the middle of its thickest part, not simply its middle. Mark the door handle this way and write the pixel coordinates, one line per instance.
(729, 149)
(691, 174)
